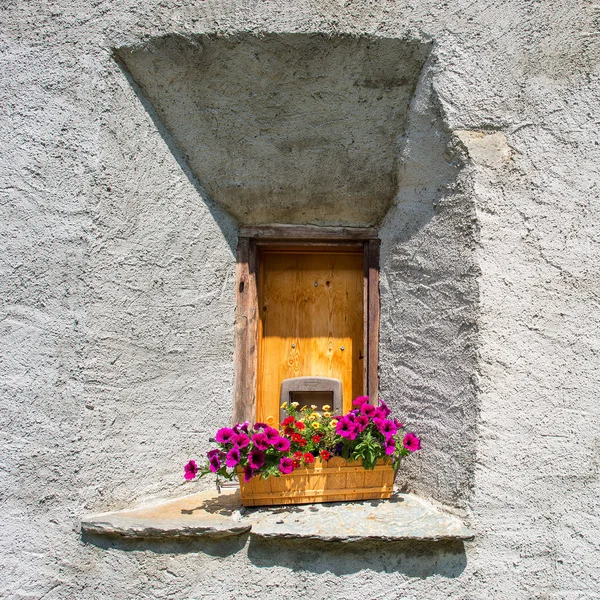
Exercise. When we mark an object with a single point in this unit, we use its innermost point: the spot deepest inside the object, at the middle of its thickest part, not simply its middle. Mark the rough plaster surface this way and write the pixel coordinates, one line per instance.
(289, 128)
(117, 303)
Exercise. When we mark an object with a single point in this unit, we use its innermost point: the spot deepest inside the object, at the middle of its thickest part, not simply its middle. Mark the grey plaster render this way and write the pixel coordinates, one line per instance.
(117, 303)
(289, 128)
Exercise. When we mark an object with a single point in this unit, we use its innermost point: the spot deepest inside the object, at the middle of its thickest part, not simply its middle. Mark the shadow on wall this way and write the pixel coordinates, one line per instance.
(429, 305)
(224, 221)
(413, 559)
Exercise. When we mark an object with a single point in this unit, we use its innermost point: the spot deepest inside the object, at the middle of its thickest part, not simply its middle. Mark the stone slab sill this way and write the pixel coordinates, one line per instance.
(212, 515)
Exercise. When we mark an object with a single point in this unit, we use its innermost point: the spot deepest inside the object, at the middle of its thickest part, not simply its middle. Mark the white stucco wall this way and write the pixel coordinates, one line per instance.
(117, 292)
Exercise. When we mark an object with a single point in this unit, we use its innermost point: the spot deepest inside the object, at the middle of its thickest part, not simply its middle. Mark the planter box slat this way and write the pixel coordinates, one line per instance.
(331, 481)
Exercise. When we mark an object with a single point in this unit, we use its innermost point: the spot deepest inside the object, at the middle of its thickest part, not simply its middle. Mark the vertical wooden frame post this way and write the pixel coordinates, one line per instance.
(373, 310)
(246, 320)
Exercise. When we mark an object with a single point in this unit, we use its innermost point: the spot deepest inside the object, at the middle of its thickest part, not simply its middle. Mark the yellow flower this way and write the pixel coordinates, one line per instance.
(313, 406)
(270, 420)
(284, 405)
(315, 426)
(326, 407)
(303, 408)
(327, 414)
(334, 421)
(294, 404)
(315, 416)
(312, 417)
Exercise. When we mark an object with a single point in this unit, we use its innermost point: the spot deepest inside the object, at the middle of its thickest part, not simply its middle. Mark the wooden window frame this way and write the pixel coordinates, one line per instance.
(250, 239)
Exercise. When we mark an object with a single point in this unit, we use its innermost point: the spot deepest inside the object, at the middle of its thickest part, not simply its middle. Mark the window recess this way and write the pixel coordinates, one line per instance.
(307, 306)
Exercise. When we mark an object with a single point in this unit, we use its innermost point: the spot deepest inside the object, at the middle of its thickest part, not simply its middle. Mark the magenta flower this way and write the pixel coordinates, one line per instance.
(378, 413)
(362, 422)
(241, 440)
(212, 453)
(360, 400)
(346, 428)
(286, 465)
(241, 427)
(233, 457)
(411, 442)
(248, 472)
(224, 435)
(271, 434)
(386, 427)
(398, 424)
(256, 458)
(368, 410)
(390, 446)
(190, 470)
(260, 440)
(282, 444)
(260, 426)
(385, 408)
(214, 463)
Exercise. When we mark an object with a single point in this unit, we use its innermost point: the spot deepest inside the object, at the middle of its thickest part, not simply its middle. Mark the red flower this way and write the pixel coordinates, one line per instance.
(296, 463)
(325, 455)
(316, 439)
(302, 442)
(299, 425)
(309, 458)
(296, 437)
(288, 421)
(298, 455)
(288, 431)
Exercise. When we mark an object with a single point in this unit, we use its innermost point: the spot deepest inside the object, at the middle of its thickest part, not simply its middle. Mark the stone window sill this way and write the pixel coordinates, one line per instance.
(405, 517)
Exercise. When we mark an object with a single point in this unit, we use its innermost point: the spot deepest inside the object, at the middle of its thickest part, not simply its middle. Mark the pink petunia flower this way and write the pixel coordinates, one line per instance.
(248, 473)
(233, 457)
(282, 444)
(190, 470)
(346, 428)
(256, 458)
(411, 442)
(271, 434)
(224, 435)
(386, 427)
(378, 413)
(260, 441)
(362, 422)
(241, 440)
(390, 446)
(385, 408)
(214, 463)
(241, 427)
(361, 400)
(368, 410)
(286, 465)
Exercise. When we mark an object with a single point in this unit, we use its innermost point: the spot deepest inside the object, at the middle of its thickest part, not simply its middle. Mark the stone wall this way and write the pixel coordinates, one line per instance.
(118, 303)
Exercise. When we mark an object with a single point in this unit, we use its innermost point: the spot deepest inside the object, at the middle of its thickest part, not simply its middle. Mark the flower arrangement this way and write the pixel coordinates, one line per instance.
(366, 433)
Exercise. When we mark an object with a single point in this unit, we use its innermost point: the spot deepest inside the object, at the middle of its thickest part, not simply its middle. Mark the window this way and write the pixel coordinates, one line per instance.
(307, 306)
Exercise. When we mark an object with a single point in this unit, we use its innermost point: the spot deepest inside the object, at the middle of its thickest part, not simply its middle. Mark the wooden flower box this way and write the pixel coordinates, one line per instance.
(334, 480)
